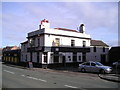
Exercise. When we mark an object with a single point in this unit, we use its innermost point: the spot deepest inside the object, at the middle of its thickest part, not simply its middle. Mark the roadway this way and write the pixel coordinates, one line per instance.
(14, 77)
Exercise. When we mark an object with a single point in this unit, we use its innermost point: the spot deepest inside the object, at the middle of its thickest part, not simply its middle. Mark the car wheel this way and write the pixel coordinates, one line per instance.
(102, 71)
(83, 70)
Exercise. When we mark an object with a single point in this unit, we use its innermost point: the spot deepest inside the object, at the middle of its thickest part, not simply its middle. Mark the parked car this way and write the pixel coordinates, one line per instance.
(116, 64)
(92, 66)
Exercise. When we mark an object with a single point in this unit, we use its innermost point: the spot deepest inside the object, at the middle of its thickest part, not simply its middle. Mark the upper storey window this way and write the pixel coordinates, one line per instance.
(103, 49)
(84, 43)
(94, 49)
(32, 42)
(57, 41)
(72, 43)
(38, 42)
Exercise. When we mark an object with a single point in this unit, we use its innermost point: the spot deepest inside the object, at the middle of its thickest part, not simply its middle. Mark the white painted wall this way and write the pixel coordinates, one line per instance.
(68, 33)
(24, 52)
(65, 41)
(41, 40)
(49, 57)
(23, 57)
(40, 57)
(34, 57)
(96, 56)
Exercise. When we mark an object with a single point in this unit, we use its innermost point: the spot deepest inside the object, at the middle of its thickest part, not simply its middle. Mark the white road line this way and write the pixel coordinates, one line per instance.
(36, 78)
(23, 75)
(70, 86)
(42, 80)
(9, 71)
(32, 78)
(29, 77)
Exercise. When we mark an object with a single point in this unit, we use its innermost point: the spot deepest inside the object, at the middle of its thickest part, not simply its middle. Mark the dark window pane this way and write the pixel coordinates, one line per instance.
(94, 49)
(72, 42)
(93, 64)
(84, 43)
(103, 49)
(88, 63)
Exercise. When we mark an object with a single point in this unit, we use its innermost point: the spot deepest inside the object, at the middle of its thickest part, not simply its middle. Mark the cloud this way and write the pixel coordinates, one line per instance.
(95, 15)
(21, 18)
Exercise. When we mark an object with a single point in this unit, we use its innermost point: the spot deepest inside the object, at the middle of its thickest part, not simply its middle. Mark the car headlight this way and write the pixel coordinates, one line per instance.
(108, 69)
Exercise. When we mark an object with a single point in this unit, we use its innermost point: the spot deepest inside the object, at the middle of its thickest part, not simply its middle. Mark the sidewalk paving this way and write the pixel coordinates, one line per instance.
(113, 76)
(110, 77)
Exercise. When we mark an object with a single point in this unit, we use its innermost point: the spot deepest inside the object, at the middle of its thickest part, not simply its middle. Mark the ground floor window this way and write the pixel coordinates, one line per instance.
(69, 58)
(79, 58)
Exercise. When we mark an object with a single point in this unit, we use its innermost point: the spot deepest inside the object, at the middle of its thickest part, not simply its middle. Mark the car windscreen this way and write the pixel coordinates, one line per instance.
(86, 63)
(99, 64)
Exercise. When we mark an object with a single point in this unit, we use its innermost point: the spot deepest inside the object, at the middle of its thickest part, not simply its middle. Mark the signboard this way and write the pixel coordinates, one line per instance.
(30, 64)
(57, 49)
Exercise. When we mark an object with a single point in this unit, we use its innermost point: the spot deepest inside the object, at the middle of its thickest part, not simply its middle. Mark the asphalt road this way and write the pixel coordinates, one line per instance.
(14, 77)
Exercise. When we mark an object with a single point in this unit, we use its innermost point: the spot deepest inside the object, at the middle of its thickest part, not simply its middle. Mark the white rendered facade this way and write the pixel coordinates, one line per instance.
(99, 55)
(58, 46)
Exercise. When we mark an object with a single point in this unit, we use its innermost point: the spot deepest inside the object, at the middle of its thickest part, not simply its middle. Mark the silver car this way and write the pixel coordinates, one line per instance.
(92, 66)
(116, 65)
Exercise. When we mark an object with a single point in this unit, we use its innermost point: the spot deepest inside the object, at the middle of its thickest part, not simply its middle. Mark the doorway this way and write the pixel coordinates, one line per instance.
(45, 57)
(56, 57)
(63, 61)
(84, 57)
(103, 58)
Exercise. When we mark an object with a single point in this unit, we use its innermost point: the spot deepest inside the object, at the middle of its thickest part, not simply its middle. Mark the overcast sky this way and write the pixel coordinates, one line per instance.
(100, 19)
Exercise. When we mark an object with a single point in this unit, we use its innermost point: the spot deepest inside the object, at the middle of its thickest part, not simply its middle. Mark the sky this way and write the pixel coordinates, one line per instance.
(20, 18)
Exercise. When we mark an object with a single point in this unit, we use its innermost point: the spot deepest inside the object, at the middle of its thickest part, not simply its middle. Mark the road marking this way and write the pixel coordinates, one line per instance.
(9, 71)
(70, 86)
(42, 80)
(32, 78)
(35, 78)
(23, 75)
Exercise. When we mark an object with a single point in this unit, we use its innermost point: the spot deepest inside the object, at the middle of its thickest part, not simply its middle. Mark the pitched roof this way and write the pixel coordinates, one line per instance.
(66, 29)
(7, 48)
(115, 49)
(24, 42)
(98, 43)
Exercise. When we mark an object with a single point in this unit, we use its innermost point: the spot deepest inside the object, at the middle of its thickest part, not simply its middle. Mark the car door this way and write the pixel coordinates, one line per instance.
(87, 66)
(93, 67)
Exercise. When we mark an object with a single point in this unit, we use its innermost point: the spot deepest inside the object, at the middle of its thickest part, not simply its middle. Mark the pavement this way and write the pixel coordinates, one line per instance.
(113, 76)
(110, 77)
